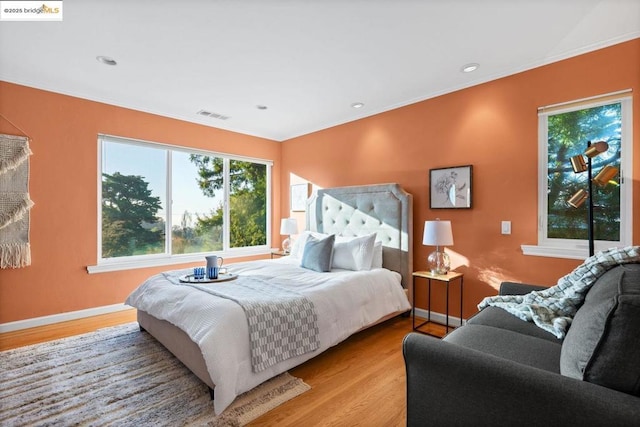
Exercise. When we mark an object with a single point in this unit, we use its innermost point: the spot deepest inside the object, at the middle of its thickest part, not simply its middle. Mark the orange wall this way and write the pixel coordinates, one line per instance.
(493, 127)
(63, 185)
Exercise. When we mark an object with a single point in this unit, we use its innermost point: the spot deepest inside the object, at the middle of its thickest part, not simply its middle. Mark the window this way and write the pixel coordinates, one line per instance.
(161, 203)
(564, 132)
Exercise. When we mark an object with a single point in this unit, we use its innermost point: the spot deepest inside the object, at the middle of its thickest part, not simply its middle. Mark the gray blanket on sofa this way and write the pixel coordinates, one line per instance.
(552, 309)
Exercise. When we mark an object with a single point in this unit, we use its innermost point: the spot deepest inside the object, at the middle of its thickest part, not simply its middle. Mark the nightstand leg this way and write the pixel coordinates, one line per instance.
(461, 287)
(447, 310)
(413, 304)
(429, 302)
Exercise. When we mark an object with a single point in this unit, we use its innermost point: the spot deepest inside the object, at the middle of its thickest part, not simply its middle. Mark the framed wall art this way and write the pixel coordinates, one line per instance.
(450, 188)
(299, 196)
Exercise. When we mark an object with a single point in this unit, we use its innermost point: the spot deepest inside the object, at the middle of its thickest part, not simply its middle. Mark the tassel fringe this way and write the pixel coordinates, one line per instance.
(15, 255)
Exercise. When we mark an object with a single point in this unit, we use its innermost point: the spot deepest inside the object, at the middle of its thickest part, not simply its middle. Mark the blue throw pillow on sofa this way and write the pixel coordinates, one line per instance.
(602, 345)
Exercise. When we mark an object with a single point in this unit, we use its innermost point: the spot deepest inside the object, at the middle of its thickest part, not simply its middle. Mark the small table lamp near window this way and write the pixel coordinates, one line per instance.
(438, 233)
(288, 226)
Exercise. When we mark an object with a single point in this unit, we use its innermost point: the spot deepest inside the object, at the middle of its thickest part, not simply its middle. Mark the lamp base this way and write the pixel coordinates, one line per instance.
(286, 245)
(439, 263)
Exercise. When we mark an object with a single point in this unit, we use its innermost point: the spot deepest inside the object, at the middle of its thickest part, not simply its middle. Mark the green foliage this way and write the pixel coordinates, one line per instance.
(198, 239)
(129, 222)
(248, 203)
(210, 172)
(247, 199)
(568, 135)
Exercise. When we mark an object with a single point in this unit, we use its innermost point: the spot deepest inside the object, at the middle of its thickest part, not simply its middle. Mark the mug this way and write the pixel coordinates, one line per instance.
(212, 272)
(198, 273)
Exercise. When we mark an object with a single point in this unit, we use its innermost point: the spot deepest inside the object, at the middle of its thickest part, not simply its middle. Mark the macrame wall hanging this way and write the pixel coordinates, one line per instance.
(14, 201)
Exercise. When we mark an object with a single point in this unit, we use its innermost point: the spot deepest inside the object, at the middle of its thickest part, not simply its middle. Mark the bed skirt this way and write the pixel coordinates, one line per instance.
(178, 343)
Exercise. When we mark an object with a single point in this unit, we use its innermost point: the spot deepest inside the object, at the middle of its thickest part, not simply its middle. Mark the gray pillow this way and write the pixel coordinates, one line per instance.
(318, 254)
(602, 345)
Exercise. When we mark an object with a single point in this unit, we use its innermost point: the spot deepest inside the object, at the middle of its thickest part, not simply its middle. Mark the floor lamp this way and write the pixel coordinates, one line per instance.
(579, 165)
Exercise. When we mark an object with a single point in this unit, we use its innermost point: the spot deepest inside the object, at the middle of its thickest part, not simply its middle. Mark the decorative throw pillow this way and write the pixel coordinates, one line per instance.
(298, 244)
(602, 345)
(354, 253)
(376, 262)
(318, 254)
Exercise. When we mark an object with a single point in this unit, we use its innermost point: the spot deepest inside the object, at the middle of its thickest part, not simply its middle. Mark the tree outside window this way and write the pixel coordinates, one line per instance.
(568, 135)
(130, 225)
(565, 130)
(211, 196)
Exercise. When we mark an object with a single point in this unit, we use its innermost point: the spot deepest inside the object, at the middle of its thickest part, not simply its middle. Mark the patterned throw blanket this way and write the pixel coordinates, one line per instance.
(553, 309)
(282, 323)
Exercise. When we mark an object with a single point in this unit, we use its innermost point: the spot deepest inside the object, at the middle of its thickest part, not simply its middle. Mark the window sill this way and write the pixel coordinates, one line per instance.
(109, 266)
(555, 252)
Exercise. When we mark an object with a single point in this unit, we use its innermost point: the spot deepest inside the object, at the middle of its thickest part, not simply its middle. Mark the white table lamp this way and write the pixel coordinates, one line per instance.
(288, 226)
(438, 233)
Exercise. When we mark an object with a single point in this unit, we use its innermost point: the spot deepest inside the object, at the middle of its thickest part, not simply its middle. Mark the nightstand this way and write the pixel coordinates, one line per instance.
(279, 253)
(444, 278)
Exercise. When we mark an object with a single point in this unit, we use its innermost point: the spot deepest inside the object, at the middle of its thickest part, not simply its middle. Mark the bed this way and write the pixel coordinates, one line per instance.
(209, 334)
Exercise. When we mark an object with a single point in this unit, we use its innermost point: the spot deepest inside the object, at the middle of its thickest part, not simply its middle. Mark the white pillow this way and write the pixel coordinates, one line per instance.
(298, 244)
(354, 253)
(376, 262)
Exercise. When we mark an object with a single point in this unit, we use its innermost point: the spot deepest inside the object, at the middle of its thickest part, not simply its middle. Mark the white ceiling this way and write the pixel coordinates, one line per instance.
(306, 60)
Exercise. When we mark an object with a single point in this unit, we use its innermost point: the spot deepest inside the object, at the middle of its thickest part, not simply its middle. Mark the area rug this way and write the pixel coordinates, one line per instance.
(119, 376)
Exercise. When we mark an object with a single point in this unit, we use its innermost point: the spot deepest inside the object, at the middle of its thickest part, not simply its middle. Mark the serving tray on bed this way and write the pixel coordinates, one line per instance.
(222, 277)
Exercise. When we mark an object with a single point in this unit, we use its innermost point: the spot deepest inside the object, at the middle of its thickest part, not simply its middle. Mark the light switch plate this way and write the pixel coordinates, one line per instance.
(506, 227)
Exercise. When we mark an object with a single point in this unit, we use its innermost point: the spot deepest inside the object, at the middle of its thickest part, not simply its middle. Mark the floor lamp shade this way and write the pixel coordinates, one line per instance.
(578, 198)
(438, 233)
(288, 226)
(606, 174)
(578, 164)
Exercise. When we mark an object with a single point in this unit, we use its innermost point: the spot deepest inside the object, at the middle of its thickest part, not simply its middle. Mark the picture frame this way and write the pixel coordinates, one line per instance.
(299, 195)
(451, 187)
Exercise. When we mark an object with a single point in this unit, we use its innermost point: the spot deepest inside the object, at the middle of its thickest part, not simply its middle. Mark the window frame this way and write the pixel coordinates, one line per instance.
(167, 258)
(573, 248)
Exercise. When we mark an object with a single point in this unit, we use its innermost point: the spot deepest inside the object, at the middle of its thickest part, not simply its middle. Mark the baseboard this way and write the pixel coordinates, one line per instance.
(96, 311)
(62, 317)
(439, 317)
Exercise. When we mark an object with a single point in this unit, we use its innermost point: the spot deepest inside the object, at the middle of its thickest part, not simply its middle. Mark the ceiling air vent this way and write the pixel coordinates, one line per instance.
(214, 115)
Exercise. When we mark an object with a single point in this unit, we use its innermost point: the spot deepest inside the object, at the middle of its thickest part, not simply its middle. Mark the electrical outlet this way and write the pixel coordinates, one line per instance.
(506, 227)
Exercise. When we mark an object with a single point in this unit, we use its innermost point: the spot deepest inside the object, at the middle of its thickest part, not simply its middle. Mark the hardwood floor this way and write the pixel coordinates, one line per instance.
(359, 382)
(9, 340)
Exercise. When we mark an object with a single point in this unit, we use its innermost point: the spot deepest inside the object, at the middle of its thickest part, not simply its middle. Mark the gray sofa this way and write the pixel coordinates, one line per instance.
(500, 370)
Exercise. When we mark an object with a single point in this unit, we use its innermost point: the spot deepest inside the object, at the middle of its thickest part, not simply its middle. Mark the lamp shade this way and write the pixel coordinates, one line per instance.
(437, 233)
(578, 164)
(288, 226)
(606, 174)
(578, 198)
(596, 148)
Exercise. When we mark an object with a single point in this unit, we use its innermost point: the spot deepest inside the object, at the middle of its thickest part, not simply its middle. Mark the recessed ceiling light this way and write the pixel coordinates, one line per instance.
(106, 60)
(470, 67)
(261, 107)
(357, 105)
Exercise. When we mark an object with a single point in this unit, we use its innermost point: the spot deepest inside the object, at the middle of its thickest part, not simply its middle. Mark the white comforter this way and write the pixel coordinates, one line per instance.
(345, 301)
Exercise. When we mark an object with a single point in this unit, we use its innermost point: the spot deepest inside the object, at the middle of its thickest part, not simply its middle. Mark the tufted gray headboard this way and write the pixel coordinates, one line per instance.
(385, 209)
